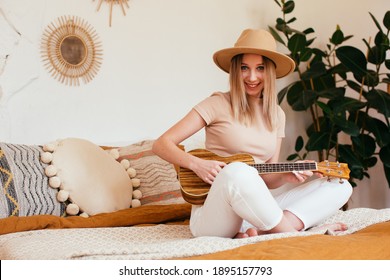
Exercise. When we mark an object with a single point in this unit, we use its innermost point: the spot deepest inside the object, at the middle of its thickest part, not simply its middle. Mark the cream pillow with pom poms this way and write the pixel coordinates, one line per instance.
(132, 173)
(88, 178)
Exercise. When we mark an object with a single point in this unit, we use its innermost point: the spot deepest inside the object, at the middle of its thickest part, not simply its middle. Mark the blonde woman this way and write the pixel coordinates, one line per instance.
(247, 119)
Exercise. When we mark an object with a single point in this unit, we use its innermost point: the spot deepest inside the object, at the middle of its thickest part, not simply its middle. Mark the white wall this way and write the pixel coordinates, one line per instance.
(156, 65)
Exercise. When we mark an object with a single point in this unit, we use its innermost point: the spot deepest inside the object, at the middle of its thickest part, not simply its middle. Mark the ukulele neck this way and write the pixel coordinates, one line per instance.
(264, 168)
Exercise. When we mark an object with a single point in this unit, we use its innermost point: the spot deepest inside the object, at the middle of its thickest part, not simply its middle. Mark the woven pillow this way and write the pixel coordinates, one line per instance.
(158, 178)
(24, 189)
(88, 178)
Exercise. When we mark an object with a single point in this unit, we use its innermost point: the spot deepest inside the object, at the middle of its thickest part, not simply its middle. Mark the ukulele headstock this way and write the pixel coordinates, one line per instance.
(334, 169)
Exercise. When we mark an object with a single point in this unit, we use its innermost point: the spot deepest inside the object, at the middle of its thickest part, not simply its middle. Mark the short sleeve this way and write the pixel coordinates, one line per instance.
(209, 108)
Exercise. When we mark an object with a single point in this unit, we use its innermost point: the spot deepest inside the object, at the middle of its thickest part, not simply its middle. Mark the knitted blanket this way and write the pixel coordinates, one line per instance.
(161, 241)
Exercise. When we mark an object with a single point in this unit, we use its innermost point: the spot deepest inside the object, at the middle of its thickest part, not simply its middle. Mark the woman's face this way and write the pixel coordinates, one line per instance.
(252, 70)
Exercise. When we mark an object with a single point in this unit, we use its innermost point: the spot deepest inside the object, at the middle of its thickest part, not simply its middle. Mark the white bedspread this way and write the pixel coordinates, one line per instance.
(150, 242)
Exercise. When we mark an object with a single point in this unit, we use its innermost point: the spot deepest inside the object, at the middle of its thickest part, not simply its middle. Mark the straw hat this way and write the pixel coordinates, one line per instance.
(255, 42)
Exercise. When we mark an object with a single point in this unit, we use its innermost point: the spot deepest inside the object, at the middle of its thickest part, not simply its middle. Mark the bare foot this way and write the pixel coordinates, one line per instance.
(241, 235)
(249, 233)
(334, 227)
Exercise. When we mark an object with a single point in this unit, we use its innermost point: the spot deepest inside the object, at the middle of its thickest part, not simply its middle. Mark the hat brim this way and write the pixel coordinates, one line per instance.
(284, 65)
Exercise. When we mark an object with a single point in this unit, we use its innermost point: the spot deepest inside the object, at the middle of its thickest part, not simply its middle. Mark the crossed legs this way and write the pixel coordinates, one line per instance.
(239, 193)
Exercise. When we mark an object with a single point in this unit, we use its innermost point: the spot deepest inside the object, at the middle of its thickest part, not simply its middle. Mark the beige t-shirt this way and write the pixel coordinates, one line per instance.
(226, 136)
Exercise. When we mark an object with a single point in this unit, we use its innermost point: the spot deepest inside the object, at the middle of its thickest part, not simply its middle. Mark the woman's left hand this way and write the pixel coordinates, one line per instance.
(301, 176)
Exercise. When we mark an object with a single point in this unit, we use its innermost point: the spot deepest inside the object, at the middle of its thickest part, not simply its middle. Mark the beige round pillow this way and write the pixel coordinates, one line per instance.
(87, 176)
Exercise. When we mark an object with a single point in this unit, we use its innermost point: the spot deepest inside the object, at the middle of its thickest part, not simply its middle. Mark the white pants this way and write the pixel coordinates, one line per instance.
(239, 194)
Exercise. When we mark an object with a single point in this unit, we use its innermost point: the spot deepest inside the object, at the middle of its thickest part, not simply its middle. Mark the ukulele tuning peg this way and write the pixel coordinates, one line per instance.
(338, 164)
(327, 162)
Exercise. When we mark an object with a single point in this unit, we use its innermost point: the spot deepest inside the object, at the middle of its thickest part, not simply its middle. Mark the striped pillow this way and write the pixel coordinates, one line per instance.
(159, 183)
(24, 185)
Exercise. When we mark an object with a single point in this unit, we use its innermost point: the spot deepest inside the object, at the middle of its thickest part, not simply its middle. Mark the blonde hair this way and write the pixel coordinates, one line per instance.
(241, 108)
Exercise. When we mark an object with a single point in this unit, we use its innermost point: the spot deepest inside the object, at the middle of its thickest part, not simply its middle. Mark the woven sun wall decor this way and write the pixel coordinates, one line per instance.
(121, 3)
(71, 50)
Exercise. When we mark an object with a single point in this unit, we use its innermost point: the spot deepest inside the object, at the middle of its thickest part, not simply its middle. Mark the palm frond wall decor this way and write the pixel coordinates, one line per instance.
(122, 3)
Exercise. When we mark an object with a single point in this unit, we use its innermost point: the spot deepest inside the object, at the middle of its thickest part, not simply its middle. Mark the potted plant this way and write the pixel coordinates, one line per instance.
(346, 93)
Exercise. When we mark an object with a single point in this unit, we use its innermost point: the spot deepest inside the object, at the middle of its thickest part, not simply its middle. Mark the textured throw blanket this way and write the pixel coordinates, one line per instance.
(162, 241)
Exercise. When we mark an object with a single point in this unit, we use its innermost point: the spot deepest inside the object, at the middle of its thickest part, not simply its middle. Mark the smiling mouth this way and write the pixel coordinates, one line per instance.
(252, 85)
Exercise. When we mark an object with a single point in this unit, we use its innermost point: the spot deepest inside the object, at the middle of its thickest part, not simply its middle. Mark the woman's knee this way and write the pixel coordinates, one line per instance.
(347, 189)
(243, 178)
(341, 189)
(239, 171)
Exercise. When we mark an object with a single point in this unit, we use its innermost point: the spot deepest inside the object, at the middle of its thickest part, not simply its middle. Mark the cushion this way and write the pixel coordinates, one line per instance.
(158, 178)
(24, 189)
(89, 178)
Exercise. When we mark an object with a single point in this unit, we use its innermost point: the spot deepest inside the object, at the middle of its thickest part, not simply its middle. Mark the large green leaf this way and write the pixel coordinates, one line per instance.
(332, 93)
(387, 63)
(305, 54)
(370, 162)
(282, 26)
(381, 132)
(342, 103)
(380, 100)
(301, 100)
(282, 93)
(364, 145)
(348, 127)
(276, 35)
(296, 43)
(337, 37)
(308, 30)
(320, 141)
(288, 7)
(355, 86)
(376, 55)
(316, 70)
(381, 41)
(322, 83)
(299, 144)
(377, 127)
(376, 22)
(384, 155)
(294, 87)
(349, 156)
(326, 109)
(386, 20)
(292, 20)
(338, 119)
(339, 69)
(371, 78)
(353, 58)
(323, 124)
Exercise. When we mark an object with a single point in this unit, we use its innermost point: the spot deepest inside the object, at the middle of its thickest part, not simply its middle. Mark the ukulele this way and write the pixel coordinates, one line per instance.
(194, 190)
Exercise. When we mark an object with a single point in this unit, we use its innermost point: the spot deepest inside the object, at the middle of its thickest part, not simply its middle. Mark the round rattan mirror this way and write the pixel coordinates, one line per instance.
(71, 51)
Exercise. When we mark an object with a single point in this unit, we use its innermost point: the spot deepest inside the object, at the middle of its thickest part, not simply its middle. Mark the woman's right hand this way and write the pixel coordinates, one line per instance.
(207, 170)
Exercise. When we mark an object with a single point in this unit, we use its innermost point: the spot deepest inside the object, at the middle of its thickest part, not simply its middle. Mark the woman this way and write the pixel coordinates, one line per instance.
(247, 119)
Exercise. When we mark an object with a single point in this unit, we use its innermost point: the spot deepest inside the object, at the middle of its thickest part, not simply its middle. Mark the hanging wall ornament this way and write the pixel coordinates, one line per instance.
(121, 3)
(71, 50)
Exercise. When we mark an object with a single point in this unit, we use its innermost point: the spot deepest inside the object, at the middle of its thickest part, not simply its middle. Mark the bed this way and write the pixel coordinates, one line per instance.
(158, 228)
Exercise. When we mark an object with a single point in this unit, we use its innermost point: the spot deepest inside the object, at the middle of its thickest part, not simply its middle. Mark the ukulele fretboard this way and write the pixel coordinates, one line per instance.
(284, 167)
